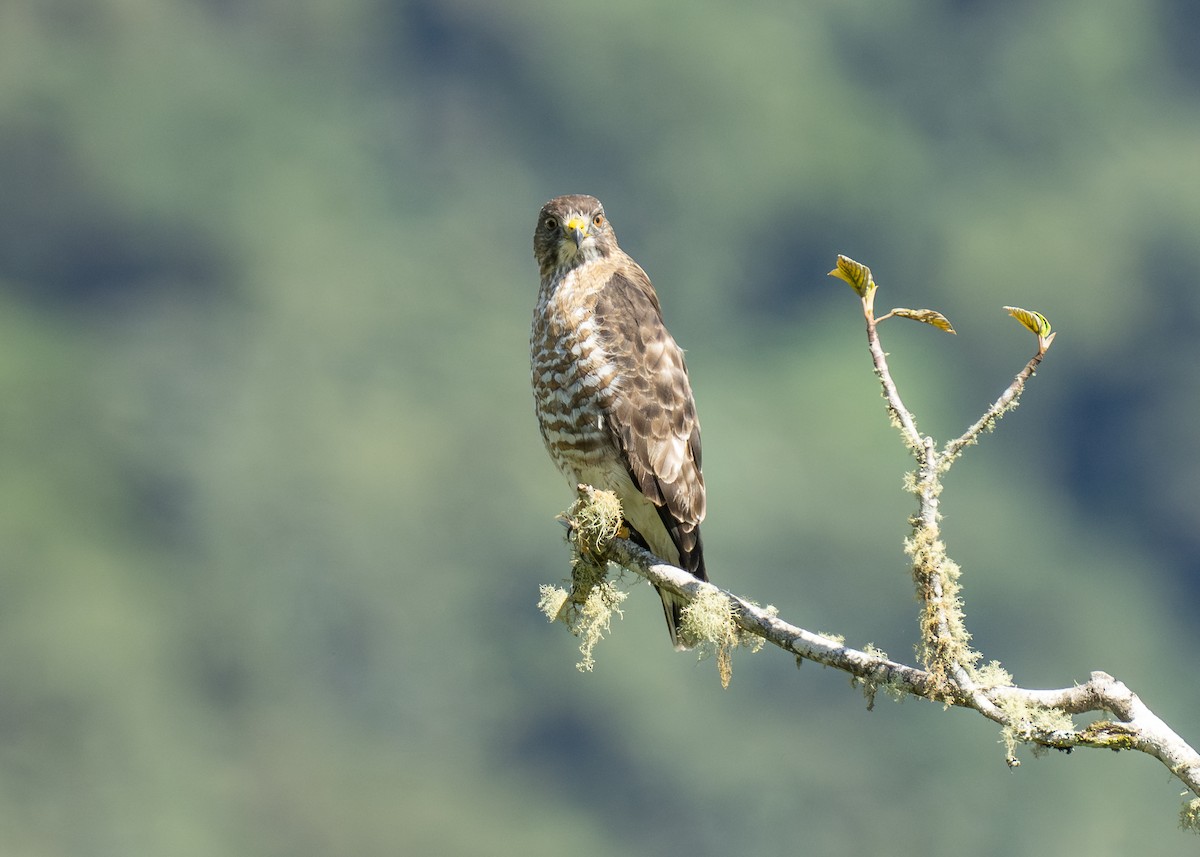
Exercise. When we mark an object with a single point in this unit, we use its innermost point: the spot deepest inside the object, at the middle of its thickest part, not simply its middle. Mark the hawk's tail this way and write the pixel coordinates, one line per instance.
(690, 560)
(673, 610)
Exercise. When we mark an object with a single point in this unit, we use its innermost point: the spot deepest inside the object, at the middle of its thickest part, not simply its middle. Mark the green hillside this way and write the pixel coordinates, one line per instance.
(276, 510)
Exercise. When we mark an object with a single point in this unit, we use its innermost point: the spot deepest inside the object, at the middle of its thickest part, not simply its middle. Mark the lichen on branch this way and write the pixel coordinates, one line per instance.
(720, 621)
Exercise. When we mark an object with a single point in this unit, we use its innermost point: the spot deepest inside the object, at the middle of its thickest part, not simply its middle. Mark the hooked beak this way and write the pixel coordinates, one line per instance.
(577, 229)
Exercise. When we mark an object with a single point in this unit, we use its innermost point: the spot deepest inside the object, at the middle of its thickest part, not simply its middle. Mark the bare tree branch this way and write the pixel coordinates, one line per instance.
(1007, 401)
(950, 671)
(1027, 714)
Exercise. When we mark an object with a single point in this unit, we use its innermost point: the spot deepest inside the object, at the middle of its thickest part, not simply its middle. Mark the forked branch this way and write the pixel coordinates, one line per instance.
(1042, 718)
(950, 670)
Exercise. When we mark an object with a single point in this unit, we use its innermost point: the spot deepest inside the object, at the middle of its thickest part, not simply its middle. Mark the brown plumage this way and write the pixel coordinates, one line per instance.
(610, 386)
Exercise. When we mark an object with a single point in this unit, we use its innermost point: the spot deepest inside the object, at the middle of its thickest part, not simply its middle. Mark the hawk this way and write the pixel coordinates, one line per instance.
(611, 389)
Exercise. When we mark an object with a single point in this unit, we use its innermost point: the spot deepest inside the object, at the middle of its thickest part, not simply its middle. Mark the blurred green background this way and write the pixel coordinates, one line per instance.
(275, 507)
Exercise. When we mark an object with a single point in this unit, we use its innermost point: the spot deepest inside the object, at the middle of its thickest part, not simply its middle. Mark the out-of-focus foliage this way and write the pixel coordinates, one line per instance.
(275, 510)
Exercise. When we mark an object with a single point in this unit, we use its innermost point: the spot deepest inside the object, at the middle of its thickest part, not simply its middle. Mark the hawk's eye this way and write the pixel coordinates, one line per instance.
(598, 220)
(551, 223)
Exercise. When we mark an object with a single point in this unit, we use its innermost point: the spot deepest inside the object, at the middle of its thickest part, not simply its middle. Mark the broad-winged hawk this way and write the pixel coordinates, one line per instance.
(611, 389)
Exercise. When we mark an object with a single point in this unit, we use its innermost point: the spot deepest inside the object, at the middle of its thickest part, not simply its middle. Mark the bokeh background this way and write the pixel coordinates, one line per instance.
(275, 508)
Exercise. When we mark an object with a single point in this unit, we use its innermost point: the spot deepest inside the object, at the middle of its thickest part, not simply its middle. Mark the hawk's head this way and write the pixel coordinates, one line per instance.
(571, 230)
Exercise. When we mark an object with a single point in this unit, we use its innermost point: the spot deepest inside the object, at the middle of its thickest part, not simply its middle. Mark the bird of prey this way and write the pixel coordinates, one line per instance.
(611, 389)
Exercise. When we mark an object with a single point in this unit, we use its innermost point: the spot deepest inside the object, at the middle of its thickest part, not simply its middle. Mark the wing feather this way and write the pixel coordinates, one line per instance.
(653, 414)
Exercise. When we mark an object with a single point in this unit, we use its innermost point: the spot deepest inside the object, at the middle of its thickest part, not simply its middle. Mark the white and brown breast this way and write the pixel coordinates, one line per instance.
(574, 381)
